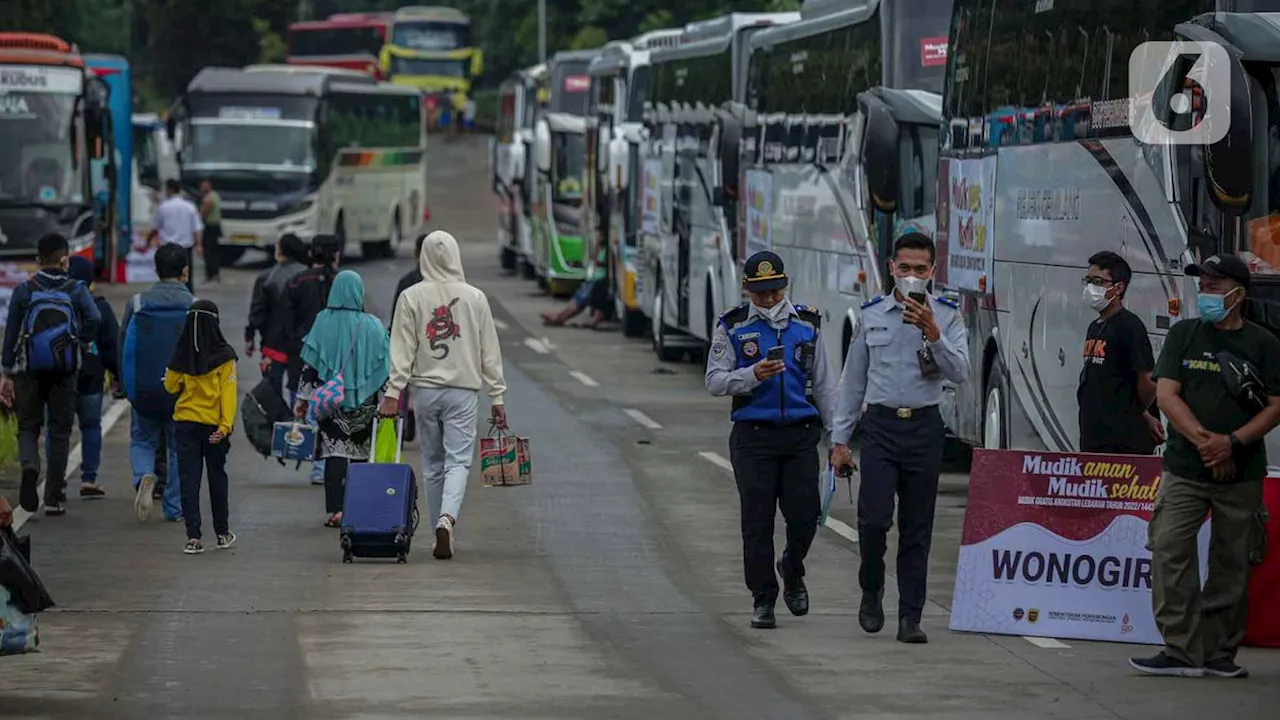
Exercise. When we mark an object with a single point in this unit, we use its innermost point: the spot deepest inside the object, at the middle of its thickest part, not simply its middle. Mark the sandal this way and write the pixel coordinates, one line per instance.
(334, 521)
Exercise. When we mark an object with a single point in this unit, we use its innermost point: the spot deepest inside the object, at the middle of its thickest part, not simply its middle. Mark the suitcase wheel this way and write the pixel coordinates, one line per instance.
(346, 556)
(415, 516)
(402, 558)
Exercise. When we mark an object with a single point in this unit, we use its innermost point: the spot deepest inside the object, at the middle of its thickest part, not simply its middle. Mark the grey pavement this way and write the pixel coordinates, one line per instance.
(610, 588)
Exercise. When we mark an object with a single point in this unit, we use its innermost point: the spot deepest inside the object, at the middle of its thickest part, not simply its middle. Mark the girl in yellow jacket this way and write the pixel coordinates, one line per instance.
(202, 373)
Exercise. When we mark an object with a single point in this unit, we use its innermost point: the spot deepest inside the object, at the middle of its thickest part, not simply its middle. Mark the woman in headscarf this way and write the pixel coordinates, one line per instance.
(202, 373)
(347, 340)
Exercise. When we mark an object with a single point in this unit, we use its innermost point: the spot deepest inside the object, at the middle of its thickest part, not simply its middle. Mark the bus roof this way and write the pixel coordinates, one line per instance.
(817, 16)
(296, 81)
(38, 49)
(432, 12)
(565, 56)
(348, 21)
(708, 37)
(305, 69)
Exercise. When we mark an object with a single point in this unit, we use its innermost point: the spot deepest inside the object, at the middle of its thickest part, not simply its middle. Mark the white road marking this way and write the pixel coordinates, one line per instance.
(641, 418)
(715, 459)
(547, 342)
(500, 325)
(109, 420)
(1046, 643)
(584, 378)
(536, 346)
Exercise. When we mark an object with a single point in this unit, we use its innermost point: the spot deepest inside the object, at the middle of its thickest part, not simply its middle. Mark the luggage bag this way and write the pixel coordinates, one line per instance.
(380, 508)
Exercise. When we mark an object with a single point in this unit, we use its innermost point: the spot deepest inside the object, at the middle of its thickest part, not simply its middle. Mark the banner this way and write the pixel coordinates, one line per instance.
(759, 211)
(1054, 545)
(970, 223)
(650, 198)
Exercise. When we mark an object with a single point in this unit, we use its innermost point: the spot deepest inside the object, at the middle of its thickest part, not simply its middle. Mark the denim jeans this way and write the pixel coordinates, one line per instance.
(89, 412)
(144, 440)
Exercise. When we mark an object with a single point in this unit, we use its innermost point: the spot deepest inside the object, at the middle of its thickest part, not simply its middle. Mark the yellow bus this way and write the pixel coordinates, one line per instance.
(430, 48)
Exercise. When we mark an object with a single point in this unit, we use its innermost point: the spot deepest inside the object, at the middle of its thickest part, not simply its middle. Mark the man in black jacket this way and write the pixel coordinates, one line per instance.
(411, 278)
(269, 317)
(304, 297)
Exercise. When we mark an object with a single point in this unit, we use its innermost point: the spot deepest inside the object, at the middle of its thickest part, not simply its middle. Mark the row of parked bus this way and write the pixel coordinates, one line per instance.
(1002, 128)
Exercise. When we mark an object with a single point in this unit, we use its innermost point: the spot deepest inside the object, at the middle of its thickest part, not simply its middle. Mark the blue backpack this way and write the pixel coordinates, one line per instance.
(51, 330)
(149, 343)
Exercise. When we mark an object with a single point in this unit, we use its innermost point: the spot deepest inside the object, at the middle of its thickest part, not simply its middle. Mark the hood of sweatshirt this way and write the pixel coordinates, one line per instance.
(441, 260)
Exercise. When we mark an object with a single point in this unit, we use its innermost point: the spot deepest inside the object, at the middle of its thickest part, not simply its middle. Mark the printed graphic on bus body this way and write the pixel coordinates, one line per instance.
(970, 220)
(759, 211)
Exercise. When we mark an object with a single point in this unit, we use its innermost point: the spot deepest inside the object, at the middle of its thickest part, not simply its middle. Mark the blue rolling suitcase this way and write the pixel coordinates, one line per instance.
(379, 512)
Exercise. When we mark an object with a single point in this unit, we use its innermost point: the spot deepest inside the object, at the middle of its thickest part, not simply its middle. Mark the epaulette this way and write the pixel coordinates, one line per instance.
(947, 301)
(808, 314)
(735, 315)
(872, 301)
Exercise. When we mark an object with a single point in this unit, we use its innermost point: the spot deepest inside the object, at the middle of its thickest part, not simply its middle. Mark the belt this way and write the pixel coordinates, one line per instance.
(903, 413)
(777, 425)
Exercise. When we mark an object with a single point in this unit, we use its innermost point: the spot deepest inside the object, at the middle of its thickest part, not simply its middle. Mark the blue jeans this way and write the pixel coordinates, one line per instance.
(144, 441)
(89, 412)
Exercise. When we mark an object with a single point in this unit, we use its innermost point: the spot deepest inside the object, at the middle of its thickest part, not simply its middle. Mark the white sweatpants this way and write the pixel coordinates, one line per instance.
(447, 434)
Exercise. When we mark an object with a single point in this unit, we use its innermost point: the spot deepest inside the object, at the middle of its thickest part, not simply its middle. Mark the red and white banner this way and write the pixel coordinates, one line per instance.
(1054, 545)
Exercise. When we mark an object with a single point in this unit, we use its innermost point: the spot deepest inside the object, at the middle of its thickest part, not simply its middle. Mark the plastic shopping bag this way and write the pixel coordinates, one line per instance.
(23, 588)
(505, 458)
(19, 631)
(828, 489)
(386, 442)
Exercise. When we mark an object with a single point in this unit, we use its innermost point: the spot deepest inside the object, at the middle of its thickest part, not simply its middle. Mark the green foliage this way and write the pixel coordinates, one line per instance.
(271, 47)
(589, 36)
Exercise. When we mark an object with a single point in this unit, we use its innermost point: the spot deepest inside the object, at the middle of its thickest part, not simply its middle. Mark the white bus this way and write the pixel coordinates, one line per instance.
(849, 94)
(305, 150)
(619, 81)
(512, 168)
(691, 262)
(1040, 170)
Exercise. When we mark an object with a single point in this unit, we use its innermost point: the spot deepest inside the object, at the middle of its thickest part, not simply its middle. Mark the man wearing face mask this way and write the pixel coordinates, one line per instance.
(767, 353)
(906, 344)
(1218, 382)
(1116, 391)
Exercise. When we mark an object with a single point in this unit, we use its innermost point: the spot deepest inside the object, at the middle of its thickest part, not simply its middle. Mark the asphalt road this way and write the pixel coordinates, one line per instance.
(610, 588)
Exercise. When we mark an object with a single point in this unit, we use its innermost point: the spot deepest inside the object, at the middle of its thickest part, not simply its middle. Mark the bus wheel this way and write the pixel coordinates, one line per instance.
(228, 255)
(664, 353)
(528, 270)
(507, 257)
(560, 288)
(634, 323)
(995, 410)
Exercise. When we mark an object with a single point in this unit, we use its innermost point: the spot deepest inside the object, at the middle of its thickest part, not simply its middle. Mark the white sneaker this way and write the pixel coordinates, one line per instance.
(443, 549)
(142, 500)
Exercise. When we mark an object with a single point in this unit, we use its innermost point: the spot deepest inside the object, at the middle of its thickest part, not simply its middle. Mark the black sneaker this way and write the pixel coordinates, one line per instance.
(29, 493)
(1225, 668)
(55, 509)
(193, 547)
(1166, 666)
(226, 541)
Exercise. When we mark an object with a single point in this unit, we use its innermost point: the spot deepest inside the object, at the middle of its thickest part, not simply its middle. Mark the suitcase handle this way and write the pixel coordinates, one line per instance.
(373, 442)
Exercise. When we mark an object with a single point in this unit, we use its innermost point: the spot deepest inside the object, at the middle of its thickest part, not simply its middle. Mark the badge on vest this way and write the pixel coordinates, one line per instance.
(750, 349)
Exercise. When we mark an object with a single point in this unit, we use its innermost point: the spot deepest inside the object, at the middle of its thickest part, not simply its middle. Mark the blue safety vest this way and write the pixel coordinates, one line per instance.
(786, 399)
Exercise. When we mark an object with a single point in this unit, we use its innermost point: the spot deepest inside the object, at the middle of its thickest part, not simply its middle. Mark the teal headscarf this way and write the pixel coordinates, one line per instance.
(344, 330)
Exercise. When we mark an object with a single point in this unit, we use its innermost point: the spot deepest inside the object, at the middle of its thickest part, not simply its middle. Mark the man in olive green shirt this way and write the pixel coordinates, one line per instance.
(1214, 461)
(211, 215)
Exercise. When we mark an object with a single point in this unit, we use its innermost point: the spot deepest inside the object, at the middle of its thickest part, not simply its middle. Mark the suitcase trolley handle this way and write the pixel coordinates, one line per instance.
(400, 421)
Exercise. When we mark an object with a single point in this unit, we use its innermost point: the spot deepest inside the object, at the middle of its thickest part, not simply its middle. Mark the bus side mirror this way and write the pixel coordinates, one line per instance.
(1229, 162)
(542, 147)
(880, 155)
(730, 144)
(477, 63)
(171, 128)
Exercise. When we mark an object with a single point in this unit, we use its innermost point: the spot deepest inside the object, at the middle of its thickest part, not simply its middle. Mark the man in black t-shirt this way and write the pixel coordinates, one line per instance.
(1214, 462)
(1116, 391)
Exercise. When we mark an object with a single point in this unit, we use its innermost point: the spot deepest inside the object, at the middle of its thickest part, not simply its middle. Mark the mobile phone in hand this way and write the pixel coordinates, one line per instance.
(918, 297)
(776, 353)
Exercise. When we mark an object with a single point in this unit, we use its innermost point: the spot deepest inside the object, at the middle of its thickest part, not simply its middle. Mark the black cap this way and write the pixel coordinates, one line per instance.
(764, 271)
(1222, 266)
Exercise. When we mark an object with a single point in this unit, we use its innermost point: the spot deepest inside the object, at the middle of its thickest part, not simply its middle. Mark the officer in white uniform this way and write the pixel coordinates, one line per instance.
(903, 350)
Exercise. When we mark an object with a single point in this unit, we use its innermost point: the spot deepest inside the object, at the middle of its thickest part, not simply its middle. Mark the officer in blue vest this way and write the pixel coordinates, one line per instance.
(906, 345)
(767, 353)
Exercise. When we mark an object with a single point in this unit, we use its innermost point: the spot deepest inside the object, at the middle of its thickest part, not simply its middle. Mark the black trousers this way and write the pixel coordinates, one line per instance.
(335, 483)
(191, 269)
(901, 457)
(32, 395)
(775, 467)
(212, 258)
(196, 456)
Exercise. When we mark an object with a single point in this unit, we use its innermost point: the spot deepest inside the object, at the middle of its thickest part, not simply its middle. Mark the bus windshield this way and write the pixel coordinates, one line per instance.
(639, 89)
(430, 35)
(36, 162)
(918, 44)
(569, 150)
(283, 146)
(335, 41)
(423, 66)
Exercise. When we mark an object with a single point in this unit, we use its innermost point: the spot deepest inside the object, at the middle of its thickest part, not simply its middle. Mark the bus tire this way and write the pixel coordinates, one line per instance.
(228, 255)
(634, 323)
(528, 271)
(660, 348)
(995, 409)
(507, 257)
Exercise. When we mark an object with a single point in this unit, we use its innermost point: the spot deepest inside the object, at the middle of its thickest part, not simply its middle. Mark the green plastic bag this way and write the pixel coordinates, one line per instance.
(385, 442)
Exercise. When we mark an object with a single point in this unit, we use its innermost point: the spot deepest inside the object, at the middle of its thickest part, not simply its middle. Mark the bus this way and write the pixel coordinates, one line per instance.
(154, 161)
(55, 122)
(113, 177)
(1020, 211)
(304, 151)
(690, 255)
(512, 168)
(831, 101)
(619, 80)
(559, 148)
(346, 40)
(431, 48)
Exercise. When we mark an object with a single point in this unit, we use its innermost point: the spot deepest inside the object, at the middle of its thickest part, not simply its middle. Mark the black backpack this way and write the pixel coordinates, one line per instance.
(261, 410)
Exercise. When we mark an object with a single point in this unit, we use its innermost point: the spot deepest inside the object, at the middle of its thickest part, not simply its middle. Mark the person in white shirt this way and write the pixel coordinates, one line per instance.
(178, 221)
(445, 344)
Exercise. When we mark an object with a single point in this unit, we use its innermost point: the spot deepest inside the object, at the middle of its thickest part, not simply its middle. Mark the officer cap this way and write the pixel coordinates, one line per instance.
(764, 271)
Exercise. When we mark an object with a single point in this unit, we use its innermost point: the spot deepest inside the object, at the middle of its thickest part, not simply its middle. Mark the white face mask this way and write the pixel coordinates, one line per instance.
(776, 313)
(911, 284)
(1095, 296)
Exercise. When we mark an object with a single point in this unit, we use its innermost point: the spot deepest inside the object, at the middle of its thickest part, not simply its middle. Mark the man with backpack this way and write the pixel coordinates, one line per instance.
(269, 316)
(152, 323)
(50, 315)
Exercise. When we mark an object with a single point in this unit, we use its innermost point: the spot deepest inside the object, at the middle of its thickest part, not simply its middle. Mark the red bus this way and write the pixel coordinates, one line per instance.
(346, 40)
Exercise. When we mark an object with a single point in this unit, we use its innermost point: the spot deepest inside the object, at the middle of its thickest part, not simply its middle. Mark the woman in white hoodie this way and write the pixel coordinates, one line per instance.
(444, 344)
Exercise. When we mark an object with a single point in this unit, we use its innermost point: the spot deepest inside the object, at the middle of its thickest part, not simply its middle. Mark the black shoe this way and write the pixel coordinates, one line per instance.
(871, 613)
(29, 493)
(762, 617)
(909, 632)
(1161, 664)
(794, 593)
(1225, 668)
